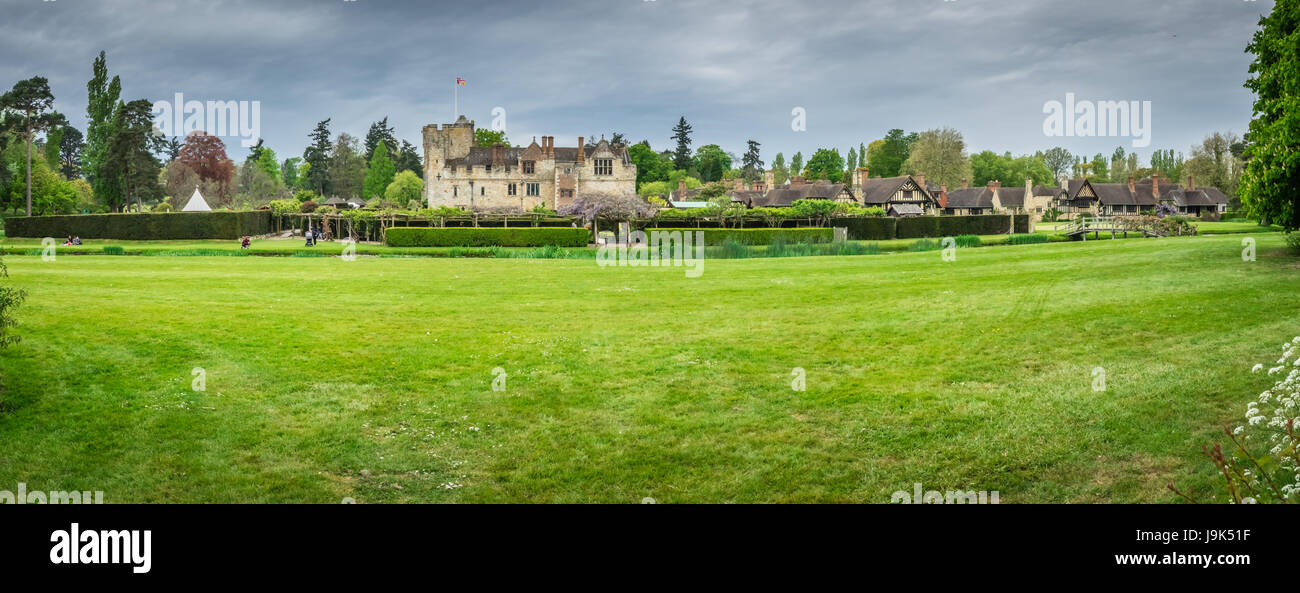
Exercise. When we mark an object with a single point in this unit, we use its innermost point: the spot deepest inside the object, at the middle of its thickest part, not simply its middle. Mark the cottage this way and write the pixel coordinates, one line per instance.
(889, 192)
(1135, 197)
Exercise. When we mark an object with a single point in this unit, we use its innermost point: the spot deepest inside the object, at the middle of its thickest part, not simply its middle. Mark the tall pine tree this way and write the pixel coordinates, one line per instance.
(682, 155)
(317, 157)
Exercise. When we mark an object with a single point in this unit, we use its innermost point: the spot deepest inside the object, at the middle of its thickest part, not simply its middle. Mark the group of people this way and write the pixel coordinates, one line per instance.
(73, 241)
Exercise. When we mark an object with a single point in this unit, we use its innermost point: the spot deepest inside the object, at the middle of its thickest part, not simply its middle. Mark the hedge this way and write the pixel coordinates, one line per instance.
(868, 228)
(486, 236)
(144, 227)
(920, 227)
(757, 236)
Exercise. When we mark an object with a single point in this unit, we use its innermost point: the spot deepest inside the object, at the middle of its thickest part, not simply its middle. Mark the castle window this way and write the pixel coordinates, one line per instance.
(533, 189)
(454, 191)
(604, 166)
(512, 189)
(566, 193)
(528, 167)
(487, 168)
(482, 191)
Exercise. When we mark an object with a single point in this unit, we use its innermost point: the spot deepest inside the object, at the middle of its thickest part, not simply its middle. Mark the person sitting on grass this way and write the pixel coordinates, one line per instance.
(245, 242)
(69, 241)
(76, 240)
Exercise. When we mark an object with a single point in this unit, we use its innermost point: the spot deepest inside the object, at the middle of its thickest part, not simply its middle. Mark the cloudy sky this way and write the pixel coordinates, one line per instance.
(736, 68)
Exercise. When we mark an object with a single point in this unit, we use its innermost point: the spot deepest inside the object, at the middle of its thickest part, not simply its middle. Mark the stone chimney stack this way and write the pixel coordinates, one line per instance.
(863, 175)
(964, 183)
(1191, 183)
(1155, 185)
(739, 185)
(582, 152)
(798, 180)
(498, 155)
(1131, 187)
(920, 179)
(681, 190)
(1029, 190)
(994, 185)
(769, 179)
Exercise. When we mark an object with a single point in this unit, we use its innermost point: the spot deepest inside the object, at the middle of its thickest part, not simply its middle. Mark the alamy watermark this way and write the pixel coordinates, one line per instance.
(229, 119)
(22, 496)
(1100, 118)
(918, 495)
(664, 248)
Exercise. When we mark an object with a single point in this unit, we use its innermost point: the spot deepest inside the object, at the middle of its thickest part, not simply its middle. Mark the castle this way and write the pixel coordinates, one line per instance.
(459, 173)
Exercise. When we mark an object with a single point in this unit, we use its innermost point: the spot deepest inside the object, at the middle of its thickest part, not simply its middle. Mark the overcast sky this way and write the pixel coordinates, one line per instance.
(735, 68)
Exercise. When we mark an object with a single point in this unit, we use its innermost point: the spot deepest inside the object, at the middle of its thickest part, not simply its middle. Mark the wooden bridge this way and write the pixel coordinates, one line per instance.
(1078, 229)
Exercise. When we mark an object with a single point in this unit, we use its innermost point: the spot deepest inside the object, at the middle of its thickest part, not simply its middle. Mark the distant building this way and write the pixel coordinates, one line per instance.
(1135, 197)
(459, 173)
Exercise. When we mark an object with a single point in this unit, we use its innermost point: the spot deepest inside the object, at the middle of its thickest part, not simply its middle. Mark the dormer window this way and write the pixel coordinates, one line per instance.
(529, 167)
(604, 166)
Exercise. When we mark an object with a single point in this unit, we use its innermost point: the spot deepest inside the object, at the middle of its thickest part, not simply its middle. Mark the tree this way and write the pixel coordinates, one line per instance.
(650, 165)
(486, 138)
(780, 174)
(380, 174)
(27, 111)
(1271, 181)
(317, 157)
(825, 164)
(268, 162)
(70, 148)
(170, 148)
(409, 160)
(289, 171)
(851, 163)
(888, 158)
(711, 162)
(988, 166)
(347, 167)
(254, 153)
(796, 165)
(53, 137)
(381, 132)
(206, 156)
(682, 154)
(102, 100)
(50, 194)
(130, 156)
(406, 186)
(941, 155)
(1214, 164)
(751, 163)
(1058, 161)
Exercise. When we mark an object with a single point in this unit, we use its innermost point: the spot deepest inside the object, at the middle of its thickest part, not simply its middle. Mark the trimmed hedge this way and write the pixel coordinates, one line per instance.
(868, 228)
(144, 227)
(759, 236)
(485, 236)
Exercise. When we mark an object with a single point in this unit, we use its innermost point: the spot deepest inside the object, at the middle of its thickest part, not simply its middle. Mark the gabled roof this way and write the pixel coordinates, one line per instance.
(880, 190)
(1011, 197)
(787, 195)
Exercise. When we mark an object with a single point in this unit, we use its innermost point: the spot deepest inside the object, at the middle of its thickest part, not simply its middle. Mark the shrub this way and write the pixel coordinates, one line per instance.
(1262, 465)
(161, 207)
(307, 207)
(486, 236)
(144, 227)
(114, 250)
(1293, 242)
(759, 236)
(967, 240)
(1026, 239)
(10, 299)
(305, 195)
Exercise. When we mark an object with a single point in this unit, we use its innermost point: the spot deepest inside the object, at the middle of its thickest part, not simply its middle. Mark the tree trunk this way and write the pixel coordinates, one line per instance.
(29, 169)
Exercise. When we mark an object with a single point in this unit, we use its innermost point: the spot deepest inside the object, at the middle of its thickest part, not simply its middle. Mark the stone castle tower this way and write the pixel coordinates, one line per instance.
(452, 141)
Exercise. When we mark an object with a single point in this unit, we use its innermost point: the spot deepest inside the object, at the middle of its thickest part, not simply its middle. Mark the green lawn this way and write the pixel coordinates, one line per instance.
(372, 379)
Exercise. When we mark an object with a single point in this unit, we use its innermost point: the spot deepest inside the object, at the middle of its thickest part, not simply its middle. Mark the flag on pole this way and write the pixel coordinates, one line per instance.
(460, 81)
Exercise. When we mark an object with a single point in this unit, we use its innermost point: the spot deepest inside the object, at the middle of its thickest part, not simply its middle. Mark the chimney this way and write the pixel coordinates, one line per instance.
(769, 179)
(994, 185)
(920, 179)
(1191, 183)
(1155, 185)
(863, 175)
(798, 180)
(498, 155)
(964, 184)
(1029, 190)
(681, 190)
(582, 153)
(739, 185)
(1131, 188)
(943, 196)
(550, 147)
(760, 186)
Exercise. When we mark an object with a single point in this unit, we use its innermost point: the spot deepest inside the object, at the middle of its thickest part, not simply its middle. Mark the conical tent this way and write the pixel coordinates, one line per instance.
(196, 203)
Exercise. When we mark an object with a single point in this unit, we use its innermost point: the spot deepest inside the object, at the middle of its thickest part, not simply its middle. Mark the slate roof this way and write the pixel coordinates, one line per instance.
(1012, 197)
(880, 190)
(972, 197)
(787, 195)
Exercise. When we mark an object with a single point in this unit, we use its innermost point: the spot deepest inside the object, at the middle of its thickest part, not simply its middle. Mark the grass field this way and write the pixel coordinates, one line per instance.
(373, 379)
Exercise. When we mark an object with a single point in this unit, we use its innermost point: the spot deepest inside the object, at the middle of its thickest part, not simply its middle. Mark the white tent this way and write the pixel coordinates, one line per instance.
(196, 203)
